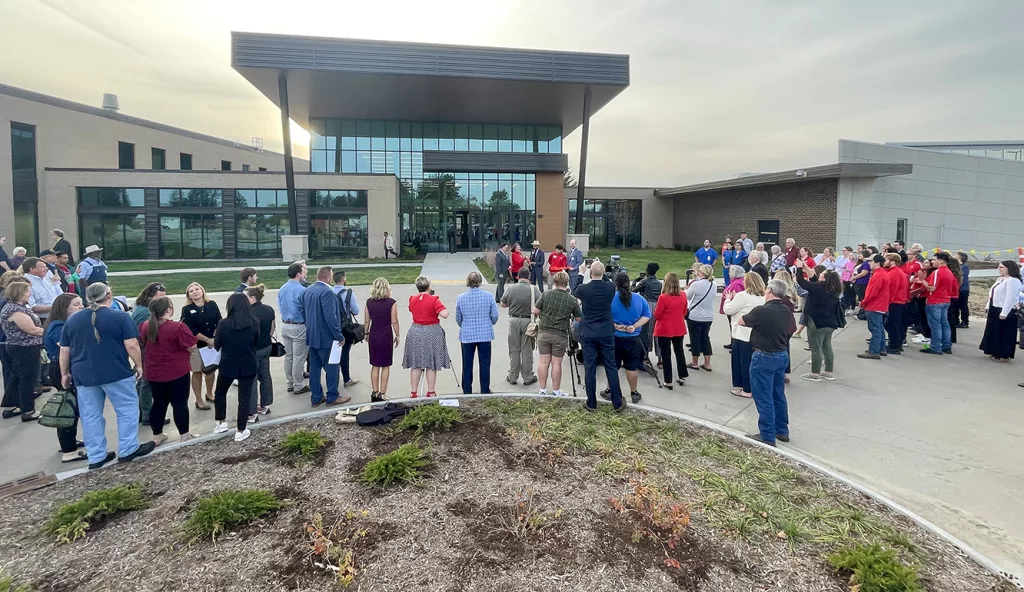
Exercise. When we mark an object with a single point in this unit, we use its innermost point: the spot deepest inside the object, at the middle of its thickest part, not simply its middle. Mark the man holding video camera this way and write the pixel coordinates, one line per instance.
(597, 336)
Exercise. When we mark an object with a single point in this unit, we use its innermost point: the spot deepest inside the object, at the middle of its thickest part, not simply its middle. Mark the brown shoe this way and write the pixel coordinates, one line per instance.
(339, 401)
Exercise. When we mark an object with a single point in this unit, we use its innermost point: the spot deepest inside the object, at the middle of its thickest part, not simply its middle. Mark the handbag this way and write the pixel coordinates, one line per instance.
(532, 327)
(276, 348)
(353, 331)
(690, 308)
(60, 410)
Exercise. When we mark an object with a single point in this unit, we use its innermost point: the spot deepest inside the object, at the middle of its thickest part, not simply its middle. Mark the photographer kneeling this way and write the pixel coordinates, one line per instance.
(630, 312)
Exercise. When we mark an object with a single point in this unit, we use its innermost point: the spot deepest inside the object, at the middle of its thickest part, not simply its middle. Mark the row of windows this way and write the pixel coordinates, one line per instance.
(126, 159)
(414, 136)
(1004, 153)
(109, 197)
(607, 224)
(198, 236)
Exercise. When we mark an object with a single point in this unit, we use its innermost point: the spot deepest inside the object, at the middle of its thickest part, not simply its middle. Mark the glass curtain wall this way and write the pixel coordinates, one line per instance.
(482, 208)
(603, 220)
(338, 223)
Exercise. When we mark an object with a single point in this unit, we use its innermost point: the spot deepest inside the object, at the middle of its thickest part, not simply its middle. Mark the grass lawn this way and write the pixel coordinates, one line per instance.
(486, 270)
(236, 264)
(226, 281)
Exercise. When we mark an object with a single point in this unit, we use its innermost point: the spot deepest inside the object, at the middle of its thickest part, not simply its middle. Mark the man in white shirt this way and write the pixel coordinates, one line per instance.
(389, 246)
(748, 245)
(45, 286)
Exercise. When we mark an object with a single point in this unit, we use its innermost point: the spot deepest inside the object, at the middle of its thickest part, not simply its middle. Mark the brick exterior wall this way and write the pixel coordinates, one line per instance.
(806, 211)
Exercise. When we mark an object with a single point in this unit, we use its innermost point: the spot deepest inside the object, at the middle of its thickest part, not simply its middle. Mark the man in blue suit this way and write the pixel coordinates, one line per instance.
(323, 329)
(537, 258)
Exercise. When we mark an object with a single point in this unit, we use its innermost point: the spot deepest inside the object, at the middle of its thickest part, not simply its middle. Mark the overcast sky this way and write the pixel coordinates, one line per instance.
(717, 88)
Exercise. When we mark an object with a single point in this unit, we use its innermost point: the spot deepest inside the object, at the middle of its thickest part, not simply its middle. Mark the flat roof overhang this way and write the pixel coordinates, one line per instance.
(352, 78)
(829, 171)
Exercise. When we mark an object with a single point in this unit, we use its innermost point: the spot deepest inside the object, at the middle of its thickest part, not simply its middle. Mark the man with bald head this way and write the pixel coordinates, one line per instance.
(597, 335)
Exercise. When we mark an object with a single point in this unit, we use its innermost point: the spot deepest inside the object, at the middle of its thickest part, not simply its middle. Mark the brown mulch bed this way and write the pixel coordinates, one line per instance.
(452, 532)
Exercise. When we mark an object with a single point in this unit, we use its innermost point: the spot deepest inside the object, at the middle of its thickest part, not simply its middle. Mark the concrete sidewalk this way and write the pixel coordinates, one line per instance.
(450, 268)
(940, 435)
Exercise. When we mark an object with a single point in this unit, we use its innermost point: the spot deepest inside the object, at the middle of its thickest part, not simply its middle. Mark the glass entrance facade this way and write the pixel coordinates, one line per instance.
(479, 209)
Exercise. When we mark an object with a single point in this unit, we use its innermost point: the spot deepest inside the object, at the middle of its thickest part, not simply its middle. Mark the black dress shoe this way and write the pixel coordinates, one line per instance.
(110, 456)
(531, 381)
(757, 438)
(13, 412)
(782, 438)
(143, 449)
(301, 391)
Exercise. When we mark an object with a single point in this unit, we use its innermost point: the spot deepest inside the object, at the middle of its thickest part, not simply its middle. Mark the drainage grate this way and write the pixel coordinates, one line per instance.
(28, 483)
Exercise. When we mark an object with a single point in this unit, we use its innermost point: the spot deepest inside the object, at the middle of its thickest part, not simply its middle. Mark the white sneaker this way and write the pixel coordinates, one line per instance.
(542, 392)
(921, 339)
(239, 436)
(559, 393)
(221, 427)
(352, 382)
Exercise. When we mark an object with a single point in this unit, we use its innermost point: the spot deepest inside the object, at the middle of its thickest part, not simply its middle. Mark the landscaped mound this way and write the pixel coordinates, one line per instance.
(502, 494)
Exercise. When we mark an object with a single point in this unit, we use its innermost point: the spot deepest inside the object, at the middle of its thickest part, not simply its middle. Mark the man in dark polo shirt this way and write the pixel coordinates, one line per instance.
(769, 336)
(597, 336)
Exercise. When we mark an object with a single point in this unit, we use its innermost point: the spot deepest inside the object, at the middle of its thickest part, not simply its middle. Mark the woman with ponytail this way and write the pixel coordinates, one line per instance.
(167, 346)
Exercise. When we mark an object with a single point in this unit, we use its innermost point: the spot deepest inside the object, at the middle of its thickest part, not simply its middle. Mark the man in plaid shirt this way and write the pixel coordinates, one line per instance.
(476, 312)
(555, 309)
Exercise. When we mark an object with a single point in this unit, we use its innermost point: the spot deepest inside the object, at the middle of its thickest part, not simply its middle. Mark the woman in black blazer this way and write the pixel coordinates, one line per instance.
(236, 339)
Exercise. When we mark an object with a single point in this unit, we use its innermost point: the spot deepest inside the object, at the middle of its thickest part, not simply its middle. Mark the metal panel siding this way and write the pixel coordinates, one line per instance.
(302, 209)
(493, 162)
(228, 227)
(152, 203)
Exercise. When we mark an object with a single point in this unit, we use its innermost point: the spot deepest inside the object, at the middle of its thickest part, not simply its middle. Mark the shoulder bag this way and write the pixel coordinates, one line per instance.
(532, 327)
(60, 411)
(277, 349)
(350, 328)
(689, 309)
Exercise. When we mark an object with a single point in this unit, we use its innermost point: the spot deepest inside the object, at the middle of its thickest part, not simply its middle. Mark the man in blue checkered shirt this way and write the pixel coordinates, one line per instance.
(476, 313)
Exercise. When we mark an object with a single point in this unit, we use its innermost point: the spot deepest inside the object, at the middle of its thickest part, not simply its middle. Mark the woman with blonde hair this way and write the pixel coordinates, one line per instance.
(382, 331)
(201, 315)
(701, 293)
(425, 345)
(670, 327)
(736, 305)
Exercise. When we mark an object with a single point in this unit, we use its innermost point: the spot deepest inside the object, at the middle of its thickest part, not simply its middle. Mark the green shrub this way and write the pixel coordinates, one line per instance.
(403, 465)
(409, 253)
(7, 584)
(874, 568)
(303, 443)
(229, 508)
(71, 521)
(430, 417)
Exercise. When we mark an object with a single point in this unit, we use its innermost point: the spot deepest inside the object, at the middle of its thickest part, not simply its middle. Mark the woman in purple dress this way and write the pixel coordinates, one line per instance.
(381, 318)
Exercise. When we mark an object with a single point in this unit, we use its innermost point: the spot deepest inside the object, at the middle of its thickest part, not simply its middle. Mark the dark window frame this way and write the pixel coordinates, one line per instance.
(154, 153)
(125, 151)
(184, 157)
(901, 229)
(225, 165)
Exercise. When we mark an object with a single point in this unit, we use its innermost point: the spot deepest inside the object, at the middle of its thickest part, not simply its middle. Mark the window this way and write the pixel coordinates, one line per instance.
(261, 198)
(125, 155)
(185, 161)
(901, 230)
(338, 199)
(336, 235)
(259, 235)
(23, 149)
(191, 236)
(159, 159)
(190, 198)
(768, 232)
(110, 197)
(121, 236)
(245, 167)
(263, 168)
(225, 165)
(26, 226)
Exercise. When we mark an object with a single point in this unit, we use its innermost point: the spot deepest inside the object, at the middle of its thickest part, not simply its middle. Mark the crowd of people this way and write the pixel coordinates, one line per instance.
(62, 327)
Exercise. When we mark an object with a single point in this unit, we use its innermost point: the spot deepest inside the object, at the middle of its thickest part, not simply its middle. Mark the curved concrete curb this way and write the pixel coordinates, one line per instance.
(922, 522)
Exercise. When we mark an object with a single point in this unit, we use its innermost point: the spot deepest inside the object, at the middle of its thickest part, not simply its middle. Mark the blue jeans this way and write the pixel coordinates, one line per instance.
(318, 357)
(601, 350)
(876, 324)
(768, 381)
(125, 400)
(483, 349)
(741, 354)
(938, 320)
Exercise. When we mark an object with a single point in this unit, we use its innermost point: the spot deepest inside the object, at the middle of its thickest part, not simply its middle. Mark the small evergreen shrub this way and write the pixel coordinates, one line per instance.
(873, 568)
(71, 521)
(303, 443)
(7, 584)
(226, 509)
(430, 417)
(404, 465)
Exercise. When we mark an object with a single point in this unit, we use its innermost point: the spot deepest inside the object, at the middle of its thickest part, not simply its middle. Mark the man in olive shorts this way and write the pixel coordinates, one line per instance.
(555, 309)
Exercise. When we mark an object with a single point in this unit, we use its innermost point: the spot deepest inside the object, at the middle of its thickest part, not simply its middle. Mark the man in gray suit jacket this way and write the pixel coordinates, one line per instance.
(323, 329)
(502, 263)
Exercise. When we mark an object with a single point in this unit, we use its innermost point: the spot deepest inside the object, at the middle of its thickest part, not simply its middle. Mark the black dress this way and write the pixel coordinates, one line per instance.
(1000, 338)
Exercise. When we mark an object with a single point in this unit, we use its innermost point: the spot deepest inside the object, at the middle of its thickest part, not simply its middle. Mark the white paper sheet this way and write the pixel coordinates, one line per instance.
(449, 402)
(211, 357)
(335, 357)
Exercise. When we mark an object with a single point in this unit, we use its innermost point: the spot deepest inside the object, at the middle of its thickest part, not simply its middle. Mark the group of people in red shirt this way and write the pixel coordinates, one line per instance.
(892, 285)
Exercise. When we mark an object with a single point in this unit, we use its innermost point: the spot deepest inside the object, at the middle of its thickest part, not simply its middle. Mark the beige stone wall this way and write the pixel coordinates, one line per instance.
(60, 203)
(656, 213)
(66, 138)
(550, 210)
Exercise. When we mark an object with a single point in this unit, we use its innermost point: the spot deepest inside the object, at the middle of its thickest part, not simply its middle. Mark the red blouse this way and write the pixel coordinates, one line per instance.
(425, 308)
(518, 259)
(670, 316)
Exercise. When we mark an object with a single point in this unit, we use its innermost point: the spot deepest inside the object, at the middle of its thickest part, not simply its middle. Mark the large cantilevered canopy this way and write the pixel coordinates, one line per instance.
(351, 78)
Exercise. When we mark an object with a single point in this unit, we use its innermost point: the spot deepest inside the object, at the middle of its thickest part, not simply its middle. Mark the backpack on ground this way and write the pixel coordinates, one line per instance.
(381, 415)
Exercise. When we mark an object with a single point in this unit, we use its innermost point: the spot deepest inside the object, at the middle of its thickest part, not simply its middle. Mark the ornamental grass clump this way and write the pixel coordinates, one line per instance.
(71, 521)
(227, 509)
(430, 417)
(303, 443)
(404, 465)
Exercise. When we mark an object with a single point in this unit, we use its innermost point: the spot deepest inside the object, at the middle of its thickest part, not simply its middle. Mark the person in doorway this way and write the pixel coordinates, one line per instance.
(98, 347)
(323, 330)
(61, 244)
(348, 307)
(236, 339)
(267, 319)
(574, 264)
(537, 258)
(426, 348)
(630, 312)
(293, 329)
(248, 277)
(92, 269)
(555, 310)
(736, 305)
(201, 315)
(769, 336)
(63, 307)
(520, 300)
(382, 330)
(476, 315)
(502, 263)
(167, 347)
(670, 328)
(389, 246)
(597, 336)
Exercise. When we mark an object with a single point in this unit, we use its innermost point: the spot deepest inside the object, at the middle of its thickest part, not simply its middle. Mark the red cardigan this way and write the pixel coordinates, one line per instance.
(517, 262)
(670, 316)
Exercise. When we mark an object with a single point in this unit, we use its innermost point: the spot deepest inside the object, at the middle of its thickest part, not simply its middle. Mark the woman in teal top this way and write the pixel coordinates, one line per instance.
(64, 306)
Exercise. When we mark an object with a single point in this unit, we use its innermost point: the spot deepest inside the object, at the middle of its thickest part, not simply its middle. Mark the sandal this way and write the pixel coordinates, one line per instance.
(703, 367)
(681, 382)
(431, 394)
(202, 407)
(693, 366)
(414, 395)
(210, 399)
(378, 397)
(80, 455)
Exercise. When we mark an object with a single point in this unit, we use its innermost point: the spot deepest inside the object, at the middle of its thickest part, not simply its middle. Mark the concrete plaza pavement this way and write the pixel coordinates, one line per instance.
(941, 436)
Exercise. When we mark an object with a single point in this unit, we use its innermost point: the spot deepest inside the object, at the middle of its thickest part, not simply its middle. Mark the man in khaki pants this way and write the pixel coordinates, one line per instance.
(517, 299)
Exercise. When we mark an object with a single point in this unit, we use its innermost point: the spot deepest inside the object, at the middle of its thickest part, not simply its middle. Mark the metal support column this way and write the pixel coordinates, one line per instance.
(581, 188)
(289, 167)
